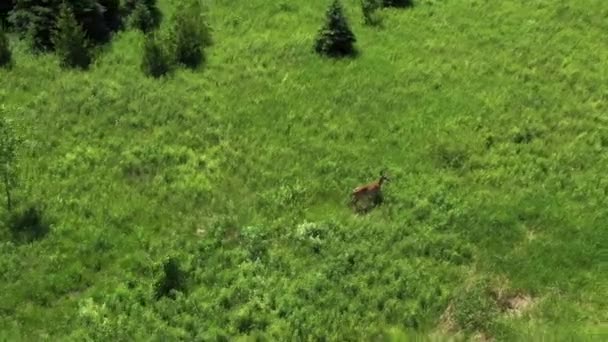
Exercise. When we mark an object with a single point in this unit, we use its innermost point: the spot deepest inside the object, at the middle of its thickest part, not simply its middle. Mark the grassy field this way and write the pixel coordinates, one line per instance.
(489, 116)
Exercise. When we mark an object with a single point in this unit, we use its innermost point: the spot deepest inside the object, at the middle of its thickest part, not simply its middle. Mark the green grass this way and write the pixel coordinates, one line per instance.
(490, 116)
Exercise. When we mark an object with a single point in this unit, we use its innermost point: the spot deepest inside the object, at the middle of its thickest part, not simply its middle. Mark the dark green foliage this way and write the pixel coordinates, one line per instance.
(5, 50)
(190, 34)
(398, 3)
(142, 14)
(28, 224)
(155, 62)
(5, 7)
(141, 18)
(172, 279)
(70, 41)
(370, 9)
(36, 19)
(335, 39)
(111, 13)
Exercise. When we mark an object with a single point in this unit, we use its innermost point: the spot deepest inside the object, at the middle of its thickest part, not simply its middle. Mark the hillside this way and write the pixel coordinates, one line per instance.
(490, 118)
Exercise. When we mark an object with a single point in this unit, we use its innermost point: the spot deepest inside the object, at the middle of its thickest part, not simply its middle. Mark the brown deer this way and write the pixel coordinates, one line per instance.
(371, 191)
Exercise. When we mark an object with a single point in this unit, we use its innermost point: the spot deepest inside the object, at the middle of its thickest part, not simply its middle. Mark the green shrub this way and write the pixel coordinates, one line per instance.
(144, 17)
(190, 34)
(142, 14)
(335, 39)
(370, 11)
(70, 42)
(28, 224)
(156, 62)
(5, 50)
(173, 279)
(141, 18)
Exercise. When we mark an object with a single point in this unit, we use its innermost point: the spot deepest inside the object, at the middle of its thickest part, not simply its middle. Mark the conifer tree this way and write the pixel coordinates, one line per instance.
(335, 39)
(37, 19)
(69, 40)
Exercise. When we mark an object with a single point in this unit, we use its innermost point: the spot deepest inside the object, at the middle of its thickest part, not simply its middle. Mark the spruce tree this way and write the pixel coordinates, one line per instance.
(335, 39)
(69, 40)
(5, 50)
(155, 62)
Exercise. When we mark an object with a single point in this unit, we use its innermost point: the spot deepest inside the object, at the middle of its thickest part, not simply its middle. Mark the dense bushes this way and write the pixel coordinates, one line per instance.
(190, 34)
(70, 42)
(156, 62)
(172, 279)
(5, 50)
(335, 39)
(186, 40)
(370, 8)
(28, 224)
(143, 15)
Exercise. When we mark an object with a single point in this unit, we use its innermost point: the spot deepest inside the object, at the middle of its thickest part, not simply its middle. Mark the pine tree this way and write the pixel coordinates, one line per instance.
(335, 39)
(155, 62)
(5, 50)
(69, 40)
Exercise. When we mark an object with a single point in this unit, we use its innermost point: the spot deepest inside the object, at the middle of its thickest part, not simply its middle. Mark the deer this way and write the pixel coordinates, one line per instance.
(371, 191)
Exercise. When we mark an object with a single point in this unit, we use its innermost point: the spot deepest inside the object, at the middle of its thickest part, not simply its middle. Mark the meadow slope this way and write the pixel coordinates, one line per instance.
(490, 116)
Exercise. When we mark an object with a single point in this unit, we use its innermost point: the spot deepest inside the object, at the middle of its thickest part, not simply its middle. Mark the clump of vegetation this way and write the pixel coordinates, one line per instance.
(335, 39)
(370, 10)
(398, 3)
(191, 34)
(156, 61)
(6, 56)
(28, 224)
(70, 42)
(173, 279)
(141, 18)
(36, 20)
(475, 308)
(144, 15)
